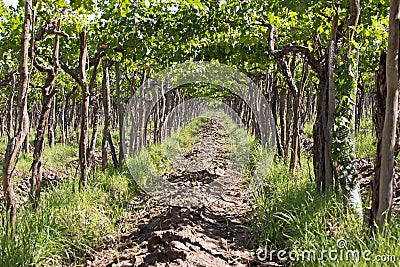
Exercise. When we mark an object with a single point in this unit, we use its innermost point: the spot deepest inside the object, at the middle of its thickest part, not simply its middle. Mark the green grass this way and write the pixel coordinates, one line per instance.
(68, 222)
(159, 158)
(292, 216)
(60, 155)
(365, 145)
(365, 140)
(180, 142)
(188, 134)
(57, 157)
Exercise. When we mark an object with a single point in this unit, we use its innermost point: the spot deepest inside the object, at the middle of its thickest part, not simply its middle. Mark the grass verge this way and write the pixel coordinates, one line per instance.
(68, 222)
(293, 217)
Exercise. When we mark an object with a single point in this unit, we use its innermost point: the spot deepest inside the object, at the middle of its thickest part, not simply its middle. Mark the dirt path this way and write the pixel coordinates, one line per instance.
(205, 235)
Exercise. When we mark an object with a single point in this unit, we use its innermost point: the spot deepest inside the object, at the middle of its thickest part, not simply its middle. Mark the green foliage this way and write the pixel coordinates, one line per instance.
(346, 77)
(157, 34)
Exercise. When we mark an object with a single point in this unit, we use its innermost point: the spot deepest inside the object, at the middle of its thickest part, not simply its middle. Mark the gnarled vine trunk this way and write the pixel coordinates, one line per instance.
(48, 109)
(14, 144)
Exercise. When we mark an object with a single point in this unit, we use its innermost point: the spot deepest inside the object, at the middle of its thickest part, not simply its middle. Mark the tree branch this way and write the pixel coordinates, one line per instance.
(50, 28)
(7, 79)
(286, 49)
(93, 62)
(40, 67)
(74, 73)
(289, 48)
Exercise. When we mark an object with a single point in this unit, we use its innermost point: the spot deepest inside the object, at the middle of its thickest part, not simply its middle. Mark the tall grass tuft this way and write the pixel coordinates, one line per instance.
(68, 222)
